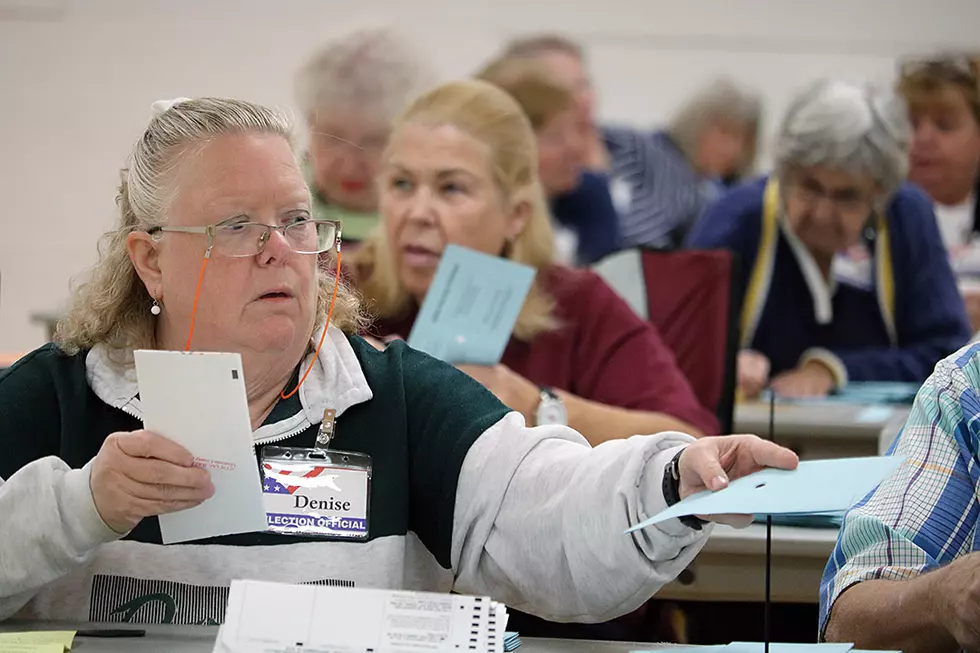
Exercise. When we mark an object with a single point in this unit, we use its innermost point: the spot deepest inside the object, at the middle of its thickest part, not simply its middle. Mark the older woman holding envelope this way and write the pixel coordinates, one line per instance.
(216, 250)
(461, 168)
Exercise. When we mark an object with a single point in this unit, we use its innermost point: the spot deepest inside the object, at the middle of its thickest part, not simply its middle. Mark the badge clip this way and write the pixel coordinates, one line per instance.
(325, 434)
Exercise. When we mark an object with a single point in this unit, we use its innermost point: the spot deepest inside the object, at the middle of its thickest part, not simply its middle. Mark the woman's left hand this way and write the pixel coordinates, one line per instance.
(812, 379)
(511, 388)
(711, 463)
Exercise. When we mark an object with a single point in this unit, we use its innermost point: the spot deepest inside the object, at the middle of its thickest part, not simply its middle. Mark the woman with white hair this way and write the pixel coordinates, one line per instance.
(348, 93)
(836, 224)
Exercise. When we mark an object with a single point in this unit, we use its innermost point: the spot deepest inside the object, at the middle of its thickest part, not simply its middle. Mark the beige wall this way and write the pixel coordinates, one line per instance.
(77, 78)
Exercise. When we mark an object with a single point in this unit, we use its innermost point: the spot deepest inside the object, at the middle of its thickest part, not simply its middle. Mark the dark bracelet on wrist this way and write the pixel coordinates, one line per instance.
(672, 494)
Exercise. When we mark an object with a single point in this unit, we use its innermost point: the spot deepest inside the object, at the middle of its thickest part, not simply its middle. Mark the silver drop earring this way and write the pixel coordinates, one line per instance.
(155, 309)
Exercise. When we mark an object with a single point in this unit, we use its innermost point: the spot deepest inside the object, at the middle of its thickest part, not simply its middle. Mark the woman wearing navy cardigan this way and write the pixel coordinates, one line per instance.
(844, 272)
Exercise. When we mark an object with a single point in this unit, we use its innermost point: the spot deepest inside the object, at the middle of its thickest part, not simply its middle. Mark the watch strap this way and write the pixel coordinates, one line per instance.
(547, 392)
(672, 494)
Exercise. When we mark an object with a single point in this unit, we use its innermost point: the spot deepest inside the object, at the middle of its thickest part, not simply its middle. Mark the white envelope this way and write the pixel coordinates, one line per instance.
(197, 399)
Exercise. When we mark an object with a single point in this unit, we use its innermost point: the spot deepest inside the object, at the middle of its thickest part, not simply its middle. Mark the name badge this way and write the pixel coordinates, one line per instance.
(316, 492)
(622, 195)
(854, 267)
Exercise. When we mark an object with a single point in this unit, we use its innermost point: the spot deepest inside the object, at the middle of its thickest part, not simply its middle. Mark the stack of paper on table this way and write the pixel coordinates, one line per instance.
(512, 642)
(774, 647)
(39, 641)
(814, 487)
(267, 617)
(832, 519)
(858, 392)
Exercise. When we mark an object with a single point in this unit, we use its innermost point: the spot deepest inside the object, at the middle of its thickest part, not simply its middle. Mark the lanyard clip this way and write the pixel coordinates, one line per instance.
(325, 434)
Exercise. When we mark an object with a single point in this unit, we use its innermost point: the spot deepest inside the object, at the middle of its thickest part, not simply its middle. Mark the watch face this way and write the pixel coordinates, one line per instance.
(552, 412)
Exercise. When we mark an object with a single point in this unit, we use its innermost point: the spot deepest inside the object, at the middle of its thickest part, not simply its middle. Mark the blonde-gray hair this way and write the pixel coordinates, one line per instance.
(536, 46)
(372, 71)
(111, 306)
(723, 100)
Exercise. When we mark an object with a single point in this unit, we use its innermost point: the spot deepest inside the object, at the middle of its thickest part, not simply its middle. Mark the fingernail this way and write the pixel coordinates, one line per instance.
(718, 482)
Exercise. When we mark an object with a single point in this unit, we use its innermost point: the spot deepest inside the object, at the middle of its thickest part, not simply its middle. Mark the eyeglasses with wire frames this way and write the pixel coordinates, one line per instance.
(238, 238)
(848, 201)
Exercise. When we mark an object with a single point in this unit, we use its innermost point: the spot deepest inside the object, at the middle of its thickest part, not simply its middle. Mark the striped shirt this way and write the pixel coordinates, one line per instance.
(657, 193)
(925, 515)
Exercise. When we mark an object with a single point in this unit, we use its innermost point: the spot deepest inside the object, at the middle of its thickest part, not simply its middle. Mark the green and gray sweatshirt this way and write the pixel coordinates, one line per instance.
(465, 497)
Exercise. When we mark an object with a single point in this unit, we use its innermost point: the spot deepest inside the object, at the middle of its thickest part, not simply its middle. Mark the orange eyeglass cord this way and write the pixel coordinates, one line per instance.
(323, 336)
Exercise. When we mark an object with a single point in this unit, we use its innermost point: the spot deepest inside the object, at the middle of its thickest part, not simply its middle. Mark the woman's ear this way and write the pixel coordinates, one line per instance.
(146, 261)
(521, 209)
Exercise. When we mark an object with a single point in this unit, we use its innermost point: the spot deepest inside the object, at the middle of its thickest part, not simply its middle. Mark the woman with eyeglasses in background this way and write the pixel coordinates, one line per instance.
(844, 273)
(348, 93)
(943, 95)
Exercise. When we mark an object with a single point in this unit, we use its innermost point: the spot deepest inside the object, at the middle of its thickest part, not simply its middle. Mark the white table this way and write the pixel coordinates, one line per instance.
(732, 565)
(818, 431)
(200, 639)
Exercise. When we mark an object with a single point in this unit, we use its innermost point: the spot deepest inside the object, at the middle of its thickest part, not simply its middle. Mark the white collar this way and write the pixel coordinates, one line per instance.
(821, 290)
(336, 381)
(846, 268)
(956, 221)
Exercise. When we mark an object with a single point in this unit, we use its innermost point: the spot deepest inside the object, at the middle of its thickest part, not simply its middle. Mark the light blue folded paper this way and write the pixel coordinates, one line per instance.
(858, 392)
(779, 647)
(471, 307)
(815, 486)
(759, 647)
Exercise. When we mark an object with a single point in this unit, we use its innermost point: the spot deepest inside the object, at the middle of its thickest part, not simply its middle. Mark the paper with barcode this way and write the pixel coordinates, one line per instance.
(264, 617)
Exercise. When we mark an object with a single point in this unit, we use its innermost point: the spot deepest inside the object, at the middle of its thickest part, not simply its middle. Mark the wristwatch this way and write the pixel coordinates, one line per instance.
(672, 491)
(551, 409)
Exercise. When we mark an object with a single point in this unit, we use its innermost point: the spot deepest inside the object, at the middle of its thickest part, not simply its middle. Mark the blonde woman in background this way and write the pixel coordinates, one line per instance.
(462, 168)
(348, 93)
(660, 181)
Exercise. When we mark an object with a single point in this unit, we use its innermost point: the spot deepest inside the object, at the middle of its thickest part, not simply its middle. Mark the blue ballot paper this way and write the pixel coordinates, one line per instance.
(779, 647)
(471, 307)
(816, 486)
(806, 520)
(759, 647)
(858, 392)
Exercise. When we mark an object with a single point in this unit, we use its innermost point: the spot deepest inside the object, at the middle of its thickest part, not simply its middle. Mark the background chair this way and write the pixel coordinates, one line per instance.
(691, 298)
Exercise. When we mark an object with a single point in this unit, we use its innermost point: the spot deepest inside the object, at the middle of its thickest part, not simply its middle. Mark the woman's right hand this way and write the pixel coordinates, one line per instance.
(140, 474)
(753, 372)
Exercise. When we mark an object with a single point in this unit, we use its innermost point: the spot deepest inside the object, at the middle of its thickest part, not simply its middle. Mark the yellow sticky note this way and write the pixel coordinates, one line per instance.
(61, 638)
(11, 647)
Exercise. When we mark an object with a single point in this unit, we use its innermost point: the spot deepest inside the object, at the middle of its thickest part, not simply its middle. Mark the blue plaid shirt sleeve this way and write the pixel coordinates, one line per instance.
(925, 515)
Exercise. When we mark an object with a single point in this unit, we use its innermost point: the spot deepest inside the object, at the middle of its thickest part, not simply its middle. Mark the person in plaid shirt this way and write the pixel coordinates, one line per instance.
(905, 573)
